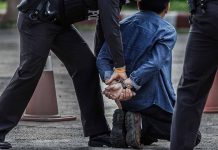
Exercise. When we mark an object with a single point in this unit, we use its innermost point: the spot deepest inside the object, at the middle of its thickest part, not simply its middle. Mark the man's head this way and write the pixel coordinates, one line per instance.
(158, 6)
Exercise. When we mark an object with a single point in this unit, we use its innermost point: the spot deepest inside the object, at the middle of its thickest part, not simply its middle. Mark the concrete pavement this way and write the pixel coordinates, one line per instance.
(69, 135)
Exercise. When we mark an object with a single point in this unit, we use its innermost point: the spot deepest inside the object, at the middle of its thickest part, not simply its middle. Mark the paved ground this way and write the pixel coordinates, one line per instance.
(69, 135)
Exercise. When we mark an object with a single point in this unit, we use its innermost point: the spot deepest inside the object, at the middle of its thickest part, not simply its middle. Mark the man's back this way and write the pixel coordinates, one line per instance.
(148, 41)
(140, 32)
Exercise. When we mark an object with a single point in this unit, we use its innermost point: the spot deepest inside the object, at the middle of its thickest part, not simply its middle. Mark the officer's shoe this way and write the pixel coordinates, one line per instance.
(5, 145)
(118, 132)
(148, 140)
(100, 140)
(133, 128)
(198, 140)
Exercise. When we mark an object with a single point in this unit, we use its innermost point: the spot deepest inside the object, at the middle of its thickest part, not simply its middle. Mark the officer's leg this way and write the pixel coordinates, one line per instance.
(199, 70)
(80, 63)
(35, 40)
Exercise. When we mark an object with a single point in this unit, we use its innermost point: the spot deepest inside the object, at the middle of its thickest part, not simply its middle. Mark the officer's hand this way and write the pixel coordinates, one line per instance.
(119, 73)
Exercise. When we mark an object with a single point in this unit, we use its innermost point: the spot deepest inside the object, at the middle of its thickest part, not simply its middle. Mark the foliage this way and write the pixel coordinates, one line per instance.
(2, 4)
(176, 5)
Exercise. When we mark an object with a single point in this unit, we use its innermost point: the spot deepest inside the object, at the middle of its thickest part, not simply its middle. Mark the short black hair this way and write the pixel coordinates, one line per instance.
(157, 6)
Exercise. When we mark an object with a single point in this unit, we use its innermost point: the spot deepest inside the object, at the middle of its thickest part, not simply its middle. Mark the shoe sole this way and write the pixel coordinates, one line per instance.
(133, 135)
(5, 147)
(96, 144)
(117, 134)
(198, 140)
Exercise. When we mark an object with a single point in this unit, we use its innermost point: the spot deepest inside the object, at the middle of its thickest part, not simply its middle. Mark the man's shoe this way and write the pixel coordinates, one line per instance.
(118, 132)
(5, 145)
(133, 128)
(100, 140)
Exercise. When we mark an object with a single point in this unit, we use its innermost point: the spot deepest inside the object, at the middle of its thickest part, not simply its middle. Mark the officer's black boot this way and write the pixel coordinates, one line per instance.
(100, 140)
(5, 145)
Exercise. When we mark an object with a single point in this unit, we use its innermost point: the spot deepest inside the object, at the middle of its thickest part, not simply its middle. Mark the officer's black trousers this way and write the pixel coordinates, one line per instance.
(36, 40)
(200, 66)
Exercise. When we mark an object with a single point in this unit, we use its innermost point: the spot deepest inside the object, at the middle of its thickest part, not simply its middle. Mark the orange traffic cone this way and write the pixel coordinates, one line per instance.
(43, 104)
(212, 100)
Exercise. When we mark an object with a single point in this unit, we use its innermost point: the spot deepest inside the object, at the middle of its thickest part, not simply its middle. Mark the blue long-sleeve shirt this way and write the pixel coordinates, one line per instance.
(148, 41)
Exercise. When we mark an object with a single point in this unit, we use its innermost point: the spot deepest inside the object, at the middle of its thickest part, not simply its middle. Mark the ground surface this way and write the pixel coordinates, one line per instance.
(69, 135)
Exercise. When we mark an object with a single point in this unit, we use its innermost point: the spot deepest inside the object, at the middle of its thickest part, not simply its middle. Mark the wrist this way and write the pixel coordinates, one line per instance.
(126, 83)
(120, 69)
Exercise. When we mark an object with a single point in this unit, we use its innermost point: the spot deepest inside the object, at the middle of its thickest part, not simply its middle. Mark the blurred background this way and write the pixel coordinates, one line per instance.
(8, 11)
(68, 135)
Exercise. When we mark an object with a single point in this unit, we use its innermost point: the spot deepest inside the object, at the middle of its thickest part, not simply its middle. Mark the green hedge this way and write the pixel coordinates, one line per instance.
(2, 4)
(176, 5)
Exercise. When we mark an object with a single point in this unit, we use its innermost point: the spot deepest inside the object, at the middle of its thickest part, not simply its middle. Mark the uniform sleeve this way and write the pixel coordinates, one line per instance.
(109, 11)
(104, 63)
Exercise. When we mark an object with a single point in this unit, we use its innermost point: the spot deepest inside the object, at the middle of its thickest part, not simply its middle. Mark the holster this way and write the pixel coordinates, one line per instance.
(26, 5)
(44, 10)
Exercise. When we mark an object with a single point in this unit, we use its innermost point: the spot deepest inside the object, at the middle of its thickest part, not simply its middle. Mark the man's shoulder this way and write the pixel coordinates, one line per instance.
(168, 26)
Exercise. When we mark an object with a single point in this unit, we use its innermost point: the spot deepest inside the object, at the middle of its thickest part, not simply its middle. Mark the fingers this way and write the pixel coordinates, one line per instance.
(116, 92)
(126, 94)
(116, 76)
(113, 91)
(121, 96)
(113, 77)
(114, 87)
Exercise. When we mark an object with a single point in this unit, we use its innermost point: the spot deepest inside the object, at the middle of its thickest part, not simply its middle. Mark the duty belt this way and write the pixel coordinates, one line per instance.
(202, 4)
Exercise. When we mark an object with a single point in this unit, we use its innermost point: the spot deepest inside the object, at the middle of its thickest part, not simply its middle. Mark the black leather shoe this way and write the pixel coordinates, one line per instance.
(198, 140)
(118, 132)
(5, 145)
(148, 140)
(100, 140)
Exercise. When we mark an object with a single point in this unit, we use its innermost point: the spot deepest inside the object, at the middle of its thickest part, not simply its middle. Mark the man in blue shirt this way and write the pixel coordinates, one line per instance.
(148, 41)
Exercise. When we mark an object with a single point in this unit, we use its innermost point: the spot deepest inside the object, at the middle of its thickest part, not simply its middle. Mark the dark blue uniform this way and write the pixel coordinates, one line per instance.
(200, 66)
(41, 30)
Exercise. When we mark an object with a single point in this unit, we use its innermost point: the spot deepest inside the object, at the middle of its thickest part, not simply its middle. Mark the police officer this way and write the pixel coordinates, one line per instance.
(200, 66)
(45, 25)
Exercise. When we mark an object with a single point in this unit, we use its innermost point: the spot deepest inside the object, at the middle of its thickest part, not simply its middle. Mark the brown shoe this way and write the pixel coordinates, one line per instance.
(133, 128)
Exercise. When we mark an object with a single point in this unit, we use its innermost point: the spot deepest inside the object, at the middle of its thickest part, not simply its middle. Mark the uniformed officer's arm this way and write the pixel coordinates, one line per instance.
(109, 17)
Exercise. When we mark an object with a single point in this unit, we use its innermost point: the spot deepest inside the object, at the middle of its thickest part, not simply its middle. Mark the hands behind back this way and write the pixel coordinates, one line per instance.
(115, 91)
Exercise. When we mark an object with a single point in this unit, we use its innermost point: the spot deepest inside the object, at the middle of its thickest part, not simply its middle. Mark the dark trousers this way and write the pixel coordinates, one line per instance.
(36, 40)
(200, 66)
(156, 123)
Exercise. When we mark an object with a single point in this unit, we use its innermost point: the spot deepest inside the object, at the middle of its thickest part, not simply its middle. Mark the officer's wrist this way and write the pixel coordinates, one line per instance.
(120, 69)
